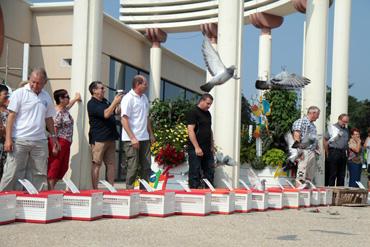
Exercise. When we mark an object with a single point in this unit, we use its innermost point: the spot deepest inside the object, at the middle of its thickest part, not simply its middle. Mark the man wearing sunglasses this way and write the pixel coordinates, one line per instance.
(103, 132)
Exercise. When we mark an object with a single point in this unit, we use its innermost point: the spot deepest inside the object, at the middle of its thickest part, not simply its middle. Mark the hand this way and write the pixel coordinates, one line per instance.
(199, 152)
(8, 146)
(117, 99)
(78, 97)
(135, 143)
(152, 139)
(56, 146)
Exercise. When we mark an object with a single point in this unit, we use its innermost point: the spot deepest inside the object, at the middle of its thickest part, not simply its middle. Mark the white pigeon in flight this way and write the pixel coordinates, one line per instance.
(283, 81)
(216, 68)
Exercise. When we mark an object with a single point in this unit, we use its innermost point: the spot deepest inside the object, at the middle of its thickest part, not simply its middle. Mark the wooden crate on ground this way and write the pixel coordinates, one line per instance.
(345, 195)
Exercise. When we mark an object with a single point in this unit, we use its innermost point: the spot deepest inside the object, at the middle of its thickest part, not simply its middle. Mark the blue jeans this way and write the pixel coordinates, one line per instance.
(354, 173)
(200, 164)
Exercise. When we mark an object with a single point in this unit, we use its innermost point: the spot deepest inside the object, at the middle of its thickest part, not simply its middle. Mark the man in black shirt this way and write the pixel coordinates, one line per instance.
(200, 146)
(103, 132)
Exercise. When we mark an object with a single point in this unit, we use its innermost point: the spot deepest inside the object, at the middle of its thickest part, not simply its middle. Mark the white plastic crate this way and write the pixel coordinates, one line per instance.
(84, 205)
(223, 201)
(291, 197)
(326, 196)
(275, 198)
(157, 203)
(44, 207)
(7, 208)
(259, 200)
(243, 200)
(195, 203)
(122, 204)
(305, 198)
(315, 197)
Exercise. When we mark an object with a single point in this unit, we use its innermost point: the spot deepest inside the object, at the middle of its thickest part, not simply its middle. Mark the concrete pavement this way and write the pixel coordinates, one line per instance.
(332, 226)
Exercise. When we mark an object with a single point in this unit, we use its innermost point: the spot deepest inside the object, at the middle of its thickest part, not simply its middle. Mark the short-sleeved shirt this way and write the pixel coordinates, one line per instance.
(341, 141)
(63, 124)
(136, 108)
(306, 128)
(203, 127)
(101, 129)
(31, 111)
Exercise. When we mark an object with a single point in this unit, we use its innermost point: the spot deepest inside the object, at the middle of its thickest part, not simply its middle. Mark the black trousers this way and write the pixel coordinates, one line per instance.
(336, 167)
(200, 167)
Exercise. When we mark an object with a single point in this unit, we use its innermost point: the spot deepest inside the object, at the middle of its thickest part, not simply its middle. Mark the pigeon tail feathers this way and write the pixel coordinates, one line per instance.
(207, 87)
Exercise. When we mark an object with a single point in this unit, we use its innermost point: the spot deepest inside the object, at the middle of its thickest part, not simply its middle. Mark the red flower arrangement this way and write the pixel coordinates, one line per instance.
(169, 156)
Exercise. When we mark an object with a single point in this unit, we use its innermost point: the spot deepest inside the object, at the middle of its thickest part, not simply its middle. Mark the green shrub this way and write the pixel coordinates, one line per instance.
(274, 157)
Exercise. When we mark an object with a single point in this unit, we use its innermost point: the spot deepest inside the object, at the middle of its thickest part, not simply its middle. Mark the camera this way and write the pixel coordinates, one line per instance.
(120, 91)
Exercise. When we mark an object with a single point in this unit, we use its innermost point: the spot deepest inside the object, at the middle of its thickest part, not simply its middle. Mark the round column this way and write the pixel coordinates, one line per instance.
(265, 22)
(315, 68)
(210, 31)
(341, 39)
(156, 36)
(228, 100)
(86, 67)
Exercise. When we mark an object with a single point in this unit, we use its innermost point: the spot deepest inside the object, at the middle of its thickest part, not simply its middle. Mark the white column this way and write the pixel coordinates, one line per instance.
(155, 73)
(26, 55)
(341, 39)
(212, 109)
(315, 67)
(264, 68)
(264, 55)
(227, 103)
(86, 67)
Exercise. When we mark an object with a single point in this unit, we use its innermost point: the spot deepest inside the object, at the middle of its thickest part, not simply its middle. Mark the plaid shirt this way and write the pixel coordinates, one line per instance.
(305, 127)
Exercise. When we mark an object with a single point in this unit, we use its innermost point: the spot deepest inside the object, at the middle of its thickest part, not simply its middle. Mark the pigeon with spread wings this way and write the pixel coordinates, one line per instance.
(216, 68)
(283, 81)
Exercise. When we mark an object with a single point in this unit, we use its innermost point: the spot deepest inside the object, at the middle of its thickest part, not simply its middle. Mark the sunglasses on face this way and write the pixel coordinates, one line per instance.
(65, 97)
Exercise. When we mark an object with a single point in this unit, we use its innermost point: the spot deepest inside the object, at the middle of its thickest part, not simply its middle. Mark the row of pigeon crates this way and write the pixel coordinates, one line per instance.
(53, 206)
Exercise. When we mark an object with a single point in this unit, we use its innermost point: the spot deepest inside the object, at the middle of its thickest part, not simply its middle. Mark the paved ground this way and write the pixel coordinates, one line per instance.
(334, 226)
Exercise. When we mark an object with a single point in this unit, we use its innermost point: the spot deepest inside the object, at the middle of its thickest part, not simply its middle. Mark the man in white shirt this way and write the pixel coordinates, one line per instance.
(30, 111)
(137, 131)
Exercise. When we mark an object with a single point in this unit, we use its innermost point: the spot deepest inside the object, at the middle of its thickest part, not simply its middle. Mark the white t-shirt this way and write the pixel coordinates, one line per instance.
(31, 110)
(136, 108)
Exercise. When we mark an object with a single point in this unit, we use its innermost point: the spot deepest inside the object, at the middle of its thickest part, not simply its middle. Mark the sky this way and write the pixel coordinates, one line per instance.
(287, 47)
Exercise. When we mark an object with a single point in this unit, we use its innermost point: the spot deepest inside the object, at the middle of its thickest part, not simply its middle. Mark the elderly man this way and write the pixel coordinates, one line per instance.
(30, 111)
(305, 131)
(336, 145)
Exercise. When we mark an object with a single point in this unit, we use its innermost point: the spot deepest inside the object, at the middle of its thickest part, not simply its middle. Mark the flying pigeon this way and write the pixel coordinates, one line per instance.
(216, 68)
(283, 81)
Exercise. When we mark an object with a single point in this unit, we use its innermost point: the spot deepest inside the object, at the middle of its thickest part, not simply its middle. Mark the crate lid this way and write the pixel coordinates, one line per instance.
(192, 192)
(275, 189)
(42, 194)
(83, 193)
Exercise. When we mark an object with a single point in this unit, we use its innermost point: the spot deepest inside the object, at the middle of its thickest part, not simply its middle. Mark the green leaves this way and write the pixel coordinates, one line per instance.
(274, 157)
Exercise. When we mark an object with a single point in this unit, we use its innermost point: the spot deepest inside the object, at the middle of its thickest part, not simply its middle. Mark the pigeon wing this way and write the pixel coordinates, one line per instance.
(211, 58)
(291, 81)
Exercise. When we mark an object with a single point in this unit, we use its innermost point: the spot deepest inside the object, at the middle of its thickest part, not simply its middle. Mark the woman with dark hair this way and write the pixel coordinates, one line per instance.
(354, 157)
(367, 148)
(63, 124)
(4, 95)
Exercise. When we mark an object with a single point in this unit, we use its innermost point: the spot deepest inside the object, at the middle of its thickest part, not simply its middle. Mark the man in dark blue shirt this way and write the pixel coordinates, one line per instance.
(103, 132)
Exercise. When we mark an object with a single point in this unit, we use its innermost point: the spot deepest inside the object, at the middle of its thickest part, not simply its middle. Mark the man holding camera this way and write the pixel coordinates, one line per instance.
(103, 132)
